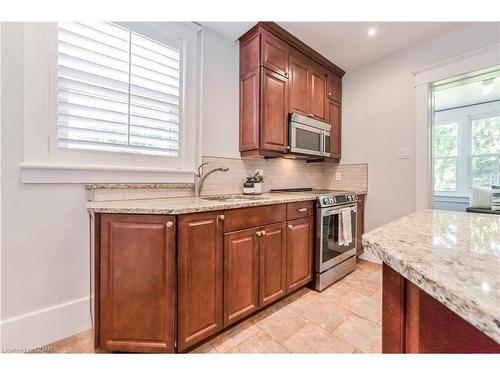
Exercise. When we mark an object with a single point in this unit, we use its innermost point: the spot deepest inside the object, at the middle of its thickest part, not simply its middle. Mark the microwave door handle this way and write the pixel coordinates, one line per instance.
(322, 143)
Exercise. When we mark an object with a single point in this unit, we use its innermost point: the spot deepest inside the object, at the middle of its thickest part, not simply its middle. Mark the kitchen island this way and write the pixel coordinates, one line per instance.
(441, 282)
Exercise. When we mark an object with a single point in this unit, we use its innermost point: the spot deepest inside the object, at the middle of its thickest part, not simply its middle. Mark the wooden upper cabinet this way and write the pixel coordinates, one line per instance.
(317, 94)
(335, 118)
(274, 111)
(279, 75)
(137, 283)
(249, 54)
(298, 87)
(299, 252)
(306, 87)
(241, 275)
(274, 53)
(334, 88)
(249, 110)
(272, 263)
(200, 276)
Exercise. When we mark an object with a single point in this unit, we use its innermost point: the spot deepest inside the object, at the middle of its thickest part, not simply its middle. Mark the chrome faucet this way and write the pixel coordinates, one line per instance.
(203, 176)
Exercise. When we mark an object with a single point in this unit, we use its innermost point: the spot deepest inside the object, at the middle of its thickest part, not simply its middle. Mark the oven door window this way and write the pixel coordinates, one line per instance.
(330, 238)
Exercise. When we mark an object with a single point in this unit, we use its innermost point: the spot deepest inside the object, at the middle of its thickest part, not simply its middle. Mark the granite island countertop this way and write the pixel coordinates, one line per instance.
(452, 256)
(184, 205)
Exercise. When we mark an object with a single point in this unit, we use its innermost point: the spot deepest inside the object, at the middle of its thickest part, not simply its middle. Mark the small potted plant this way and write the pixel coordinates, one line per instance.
(249, 186)
(258, 179)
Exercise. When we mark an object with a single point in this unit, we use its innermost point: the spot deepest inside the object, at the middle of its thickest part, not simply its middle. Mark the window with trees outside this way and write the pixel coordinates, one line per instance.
(466, 134)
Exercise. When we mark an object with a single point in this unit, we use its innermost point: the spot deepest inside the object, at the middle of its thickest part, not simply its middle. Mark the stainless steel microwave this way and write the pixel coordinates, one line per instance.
(309, 136)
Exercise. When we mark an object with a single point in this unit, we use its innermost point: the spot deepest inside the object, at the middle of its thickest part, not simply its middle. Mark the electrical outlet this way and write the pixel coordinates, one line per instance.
(338, 176)
(404, 153)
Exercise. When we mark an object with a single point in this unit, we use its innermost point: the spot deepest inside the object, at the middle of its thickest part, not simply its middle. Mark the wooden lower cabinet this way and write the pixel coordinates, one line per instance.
(149, 301)
(200, 277)
(137, 278)
(299, 252)
(241, 274)
(272, 272)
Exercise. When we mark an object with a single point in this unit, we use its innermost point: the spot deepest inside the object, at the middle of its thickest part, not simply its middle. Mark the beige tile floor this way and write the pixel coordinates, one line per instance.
(345, 318)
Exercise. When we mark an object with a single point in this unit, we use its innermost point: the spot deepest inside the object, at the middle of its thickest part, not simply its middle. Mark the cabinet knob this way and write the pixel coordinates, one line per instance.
(329, 94)
(310, 115)
(303, 209)
(221, 217)
(263, 232)
(290, 226)
(170, 224)
(258, 233)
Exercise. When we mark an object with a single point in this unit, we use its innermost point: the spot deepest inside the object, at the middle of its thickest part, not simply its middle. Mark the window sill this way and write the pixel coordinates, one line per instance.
(451, 198)
(45, 173)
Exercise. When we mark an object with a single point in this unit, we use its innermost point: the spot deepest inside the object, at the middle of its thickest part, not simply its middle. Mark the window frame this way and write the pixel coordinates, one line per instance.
(44, 161)
(463, 117)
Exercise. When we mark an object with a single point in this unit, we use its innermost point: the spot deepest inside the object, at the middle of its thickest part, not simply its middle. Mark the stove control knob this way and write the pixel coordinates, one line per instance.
(332, 200)
(349, 198)
(325, 200)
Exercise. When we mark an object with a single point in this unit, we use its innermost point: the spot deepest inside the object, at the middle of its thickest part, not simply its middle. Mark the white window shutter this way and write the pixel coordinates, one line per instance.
(117, 90)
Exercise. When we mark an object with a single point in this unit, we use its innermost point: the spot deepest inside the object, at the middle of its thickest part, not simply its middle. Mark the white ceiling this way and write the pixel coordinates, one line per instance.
(346, 43)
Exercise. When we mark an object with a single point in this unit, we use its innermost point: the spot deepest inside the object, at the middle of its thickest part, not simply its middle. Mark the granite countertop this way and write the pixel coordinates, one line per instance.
(452, 256)
(184, 205)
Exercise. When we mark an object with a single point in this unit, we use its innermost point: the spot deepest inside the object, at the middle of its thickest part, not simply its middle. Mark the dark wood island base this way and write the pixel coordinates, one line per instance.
(415, 322)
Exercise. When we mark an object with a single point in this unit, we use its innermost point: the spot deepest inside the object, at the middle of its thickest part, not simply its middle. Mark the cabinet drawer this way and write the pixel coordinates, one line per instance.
(249, 217)
(299, 210)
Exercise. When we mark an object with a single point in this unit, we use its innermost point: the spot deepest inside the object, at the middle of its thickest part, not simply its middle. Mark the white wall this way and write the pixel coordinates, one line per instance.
(45, 253)
(378, 118)
(220, 96)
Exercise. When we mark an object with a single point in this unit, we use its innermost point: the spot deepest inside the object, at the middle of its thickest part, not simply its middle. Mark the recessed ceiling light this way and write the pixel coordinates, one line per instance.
(372, 31)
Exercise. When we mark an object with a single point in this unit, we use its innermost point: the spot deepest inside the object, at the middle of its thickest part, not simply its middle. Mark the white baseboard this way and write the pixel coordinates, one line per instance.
(45, 326)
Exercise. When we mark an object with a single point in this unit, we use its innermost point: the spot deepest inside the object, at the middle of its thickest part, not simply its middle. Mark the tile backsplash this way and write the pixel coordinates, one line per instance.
(278, 173)
(283, 173)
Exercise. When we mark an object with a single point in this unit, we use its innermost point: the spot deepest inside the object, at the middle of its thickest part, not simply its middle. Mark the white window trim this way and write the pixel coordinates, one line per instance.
(473, 61)
(43, 162)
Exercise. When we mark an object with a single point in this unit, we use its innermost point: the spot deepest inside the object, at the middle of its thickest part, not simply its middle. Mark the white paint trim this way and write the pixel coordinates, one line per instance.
(468, 62)
(458, 58)
(40, 117)
(47, 325)
(472, 61)
(36, 173)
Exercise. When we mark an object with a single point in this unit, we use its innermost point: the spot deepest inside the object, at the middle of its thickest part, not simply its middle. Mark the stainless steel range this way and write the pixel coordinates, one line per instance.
(335, 256)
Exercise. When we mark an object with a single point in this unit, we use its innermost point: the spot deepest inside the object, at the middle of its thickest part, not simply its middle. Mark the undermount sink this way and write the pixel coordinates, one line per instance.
(233, 198)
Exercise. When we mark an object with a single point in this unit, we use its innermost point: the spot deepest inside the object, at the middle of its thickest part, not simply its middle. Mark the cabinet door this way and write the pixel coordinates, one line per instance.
(249, 110)
(274, 109)
(334, 88)
(274, 53)
(299, 252)
(137, 283)
(200, 249)
(272, 263)
(334, 117)
(241, 274)
(298, 86)
(317, 94)
(360, 223)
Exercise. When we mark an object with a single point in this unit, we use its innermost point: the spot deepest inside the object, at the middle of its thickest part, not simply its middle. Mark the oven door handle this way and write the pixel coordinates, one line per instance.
(336, 211)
